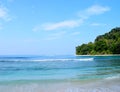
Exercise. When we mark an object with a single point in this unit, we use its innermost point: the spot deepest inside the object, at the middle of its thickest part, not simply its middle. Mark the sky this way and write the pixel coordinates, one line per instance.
(54, 27)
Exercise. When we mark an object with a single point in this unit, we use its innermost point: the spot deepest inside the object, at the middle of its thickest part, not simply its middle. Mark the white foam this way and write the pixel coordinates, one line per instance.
(85, 59)
(113, 77)
(46, 60)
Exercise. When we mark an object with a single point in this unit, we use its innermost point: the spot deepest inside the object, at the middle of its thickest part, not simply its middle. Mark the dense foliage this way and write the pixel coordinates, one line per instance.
(109, 43)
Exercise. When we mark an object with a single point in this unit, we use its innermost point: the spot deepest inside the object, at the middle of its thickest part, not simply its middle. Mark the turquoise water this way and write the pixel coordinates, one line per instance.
(58, 67)
(43, 69)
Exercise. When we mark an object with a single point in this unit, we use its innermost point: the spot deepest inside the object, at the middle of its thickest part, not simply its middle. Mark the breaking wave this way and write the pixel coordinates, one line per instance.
(45, 60)
(86, 59)
(113, 77)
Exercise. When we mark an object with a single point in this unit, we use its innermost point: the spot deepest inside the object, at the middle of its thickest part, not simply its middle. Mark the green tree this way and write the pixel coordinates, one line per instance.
(109, 43)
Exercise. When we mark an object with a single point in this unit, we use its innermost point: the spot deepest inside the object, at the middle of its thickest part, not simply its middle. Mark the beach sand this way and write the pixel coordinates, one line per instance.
(68, 86)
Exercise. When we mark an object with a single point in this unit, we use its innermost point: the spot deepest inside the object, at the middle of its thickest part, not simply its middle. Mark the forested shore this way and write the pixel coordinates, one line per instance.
(108, 43)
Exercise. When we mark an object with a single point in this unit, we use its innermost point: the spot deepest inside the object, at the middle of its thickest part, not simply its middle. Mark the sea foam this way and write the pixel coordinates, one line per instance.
(85, 59)
(45, 60)
(113, 77)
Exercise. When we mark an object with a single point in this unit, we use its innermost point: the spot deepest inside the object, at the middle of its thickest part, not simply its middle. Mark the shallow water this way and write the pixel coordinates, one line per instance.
(59, 73)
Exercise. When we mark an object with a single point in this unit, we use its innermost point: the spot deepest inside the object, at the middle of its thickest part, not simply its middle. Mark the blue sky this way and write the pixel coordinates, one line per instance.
(53, 27)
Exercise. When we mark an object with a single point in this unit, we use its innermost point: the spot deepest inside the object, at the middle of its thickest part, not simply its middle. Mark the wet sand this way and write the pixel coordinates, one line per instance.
(68, 86)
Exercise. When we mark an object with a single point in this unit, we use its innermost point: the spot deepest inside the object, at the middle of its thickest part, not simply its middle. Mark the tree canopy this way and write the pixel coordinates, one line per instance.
(109, 43)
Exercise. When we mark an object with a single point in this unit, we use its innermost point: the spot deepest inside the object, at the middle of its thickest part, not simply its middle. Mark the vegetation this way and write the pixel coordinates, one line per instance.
(109, 43)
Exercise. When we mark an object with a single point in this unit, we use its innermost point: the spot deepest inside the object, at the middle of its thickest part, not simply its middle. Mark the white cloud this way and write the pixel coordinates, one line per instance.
(58, 25)
(69, 24)
(97, 9)
(97, 24)
(93, 10)
(83, 16)
(4, 14)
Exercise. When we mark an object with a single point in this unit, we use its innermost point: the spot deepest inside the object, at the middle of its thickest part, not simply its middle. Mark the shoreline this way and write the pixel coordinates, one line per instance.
(101, 55)
(93, 86)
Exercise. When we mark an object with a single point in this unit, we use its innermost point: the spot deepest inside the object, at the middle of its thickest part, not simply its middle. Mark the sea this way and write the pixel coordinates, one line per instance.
(60, 73)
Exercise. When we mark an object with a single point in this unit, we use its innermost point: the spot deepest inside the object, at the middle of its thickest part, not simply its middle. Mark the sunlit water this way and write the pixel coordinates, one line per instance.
(59, 73)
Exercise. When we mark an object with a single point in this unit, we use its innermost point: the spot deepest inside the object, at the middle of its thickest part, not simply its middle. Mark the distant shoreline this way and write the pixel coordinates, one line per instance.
(101, 55)
(107, 44)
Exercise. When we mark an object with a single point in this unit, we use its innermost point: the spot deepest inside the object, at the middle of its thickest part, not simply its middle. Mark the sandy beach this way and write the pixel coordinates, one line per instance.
(108, 85)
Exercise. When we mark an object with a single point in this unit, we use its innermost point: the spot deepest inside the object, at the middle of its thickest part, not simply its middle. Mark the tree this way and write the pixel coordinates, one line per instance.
(109, 43)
